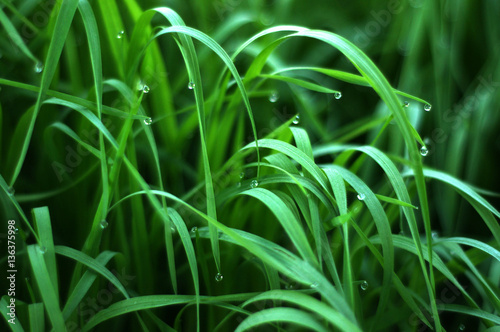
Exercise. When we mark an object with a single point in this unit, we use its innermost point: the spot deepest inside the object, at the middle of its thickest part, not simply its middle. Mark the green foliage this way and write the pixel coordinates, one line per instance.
(208, 167)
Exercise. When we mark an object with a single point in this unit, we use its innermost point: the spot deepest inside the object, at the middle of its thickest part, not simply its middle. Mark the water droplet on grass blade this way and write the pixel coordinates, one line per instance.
(254, 184)
(274, 96)
(314, 285)
(296, 120)
(461, 327)
(148, 121)
(337, 95)
(11, 191)
(194, 230)
(120, 34)
(242, 175)
(406, 104)
(361, 196)
(238, 185)
(191, 85)
(16, 230)
(434, 235)
(219, 277)
(104, 224)
(146, 89)
(38, 67)
(42, 249)
(364, 285)
(427, 107)
(424, 151)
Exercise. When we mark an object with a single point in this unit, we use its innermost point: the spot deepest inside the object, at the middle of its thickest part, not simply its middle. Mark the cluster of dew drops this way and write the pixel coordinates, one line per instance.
(424, 151)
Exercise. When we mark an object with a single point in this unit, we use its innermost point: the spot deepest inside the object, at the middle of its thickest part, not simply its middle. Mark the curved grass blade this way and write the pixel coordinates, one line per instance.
(287, 220)
(309, 303)
(348, 78)
(276, 256)
(84, 284)
(45, 286)
(383, 228)
(64, 18)
(273, 315)
(382, 87)
(470, 312)
(191, 256)
(92, 264)
(16, 38)
(340, 194)
(483, 207)
(302, 83)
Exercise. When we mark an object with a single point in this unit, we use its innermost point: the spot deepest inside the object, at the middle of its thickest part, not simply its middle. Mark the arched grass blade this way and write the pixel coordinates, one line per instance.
(307, 302)
(92, 264)
(274, 315)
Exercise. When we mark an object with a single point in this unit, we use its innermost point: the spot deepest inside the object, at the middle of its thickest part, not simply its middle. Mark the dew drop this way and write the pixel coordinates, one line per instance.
(254, 184)
(427, 107)
(191, 85)
(274, 96)
(238, 185)
(16, 230)
(434, 235)
(337, 95)
(11, 191)
(120, 34)
(314, 285)
(146, 89)
(194, 230)
(364, 285)
(219, 277)
(39, 67)
(424, 151)
(361, 196)
(296, 120)
(242, 175)
(104, 224)
(42, 249)
(406, 104)
(290, 286)
(148, 121)
(173, 229)
(461, 327)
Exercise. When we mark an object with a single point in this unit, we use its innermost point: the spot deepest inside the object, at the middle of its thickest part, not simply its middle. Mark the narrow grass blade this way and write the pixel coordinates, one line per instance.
(45, 286)
(37, 317)
(274, 315)
(306, 302)
(44, 230)
(92, 264)
(191, 256)
(15, 37)
(84, 284)
(63, 23)
(287, 220)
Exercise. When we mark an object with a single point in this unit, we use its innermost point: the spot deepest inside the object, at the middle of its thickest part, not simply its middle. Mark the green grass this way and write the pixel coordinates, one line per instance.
(224, 165)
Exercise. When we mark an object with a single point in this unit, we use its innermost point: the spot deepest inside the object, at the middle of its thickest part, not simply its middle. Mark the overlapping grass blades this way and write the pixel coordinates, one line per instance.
(290, 237)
